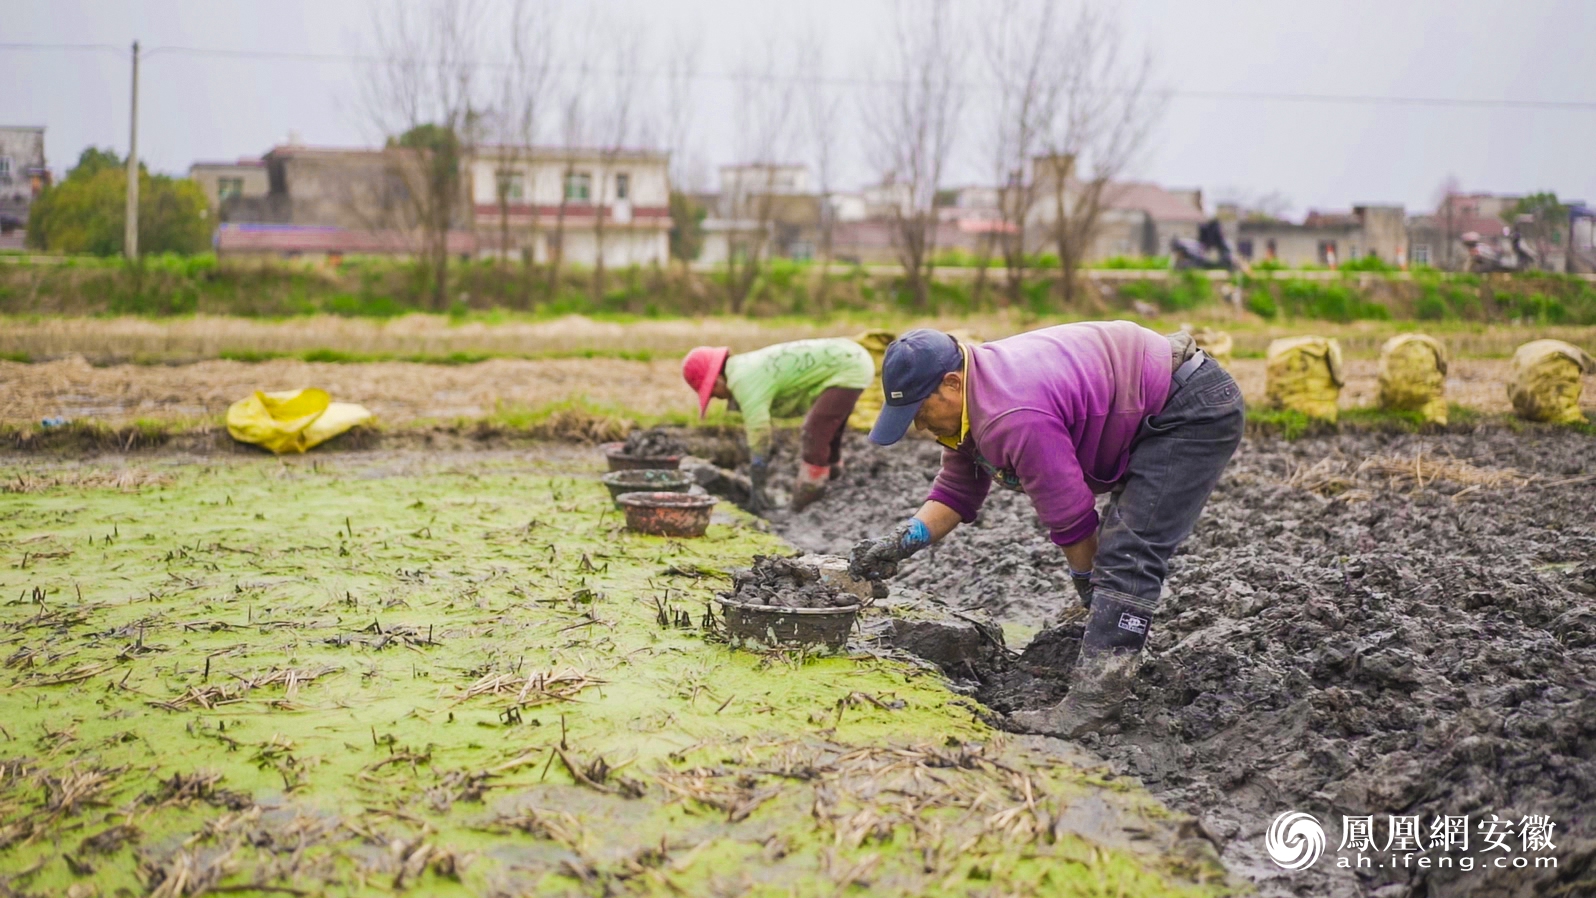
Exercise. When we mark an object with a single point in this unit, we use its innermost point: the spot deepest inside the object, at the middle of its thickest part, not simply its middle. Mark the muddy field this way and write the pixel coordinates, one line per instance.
(1362, 624)
(455, 673)
(400, 392)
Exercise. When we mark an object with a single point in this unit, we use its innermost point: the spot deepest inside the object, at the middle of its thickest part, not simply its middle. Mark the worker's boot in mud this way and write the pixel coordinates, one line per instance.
(1111, 652)
(811, 485)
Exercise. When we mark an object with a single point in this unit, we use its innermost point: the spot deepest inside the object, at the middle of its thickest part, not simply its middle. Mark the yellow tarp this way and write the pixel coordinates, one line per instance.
(1216, 343)
(1413, 376)
(869, 404)
(1304, 374)
(292, 421)
(1546, 381)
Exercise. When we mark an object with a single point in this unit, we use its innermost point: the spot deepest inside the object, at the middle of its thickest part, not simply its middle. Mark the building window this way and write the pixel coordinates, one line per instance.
(511, 185)
(5, 169)
(1244, 248)
(578, 187)
(227, 188)
(1421, 254)
(623, 186)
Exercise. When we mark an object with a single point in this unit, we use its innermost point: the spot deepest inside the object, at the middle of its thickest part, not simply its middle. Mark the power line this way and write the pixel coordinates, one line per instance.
(847, 81)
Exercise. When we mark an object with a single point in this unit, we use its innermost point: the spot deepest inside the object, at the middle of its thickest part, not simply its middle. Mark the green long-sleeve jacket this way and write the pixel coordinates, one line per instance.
(783, 380)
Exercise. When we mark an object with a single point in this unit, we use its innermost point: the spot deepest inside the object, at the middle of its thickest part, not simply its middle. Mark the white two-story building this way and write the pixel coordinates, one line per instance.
(540, 200)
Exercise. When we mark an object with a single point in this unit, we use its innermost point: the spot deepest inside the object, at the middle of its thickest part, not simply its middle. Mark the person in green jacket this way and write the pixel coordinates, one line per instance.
(820, 379)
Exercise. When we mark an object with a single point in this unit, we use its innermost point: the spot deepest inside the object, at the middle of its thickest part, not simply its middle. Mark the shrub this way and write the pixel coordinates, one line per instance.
(1261, 302)
(1432, 307)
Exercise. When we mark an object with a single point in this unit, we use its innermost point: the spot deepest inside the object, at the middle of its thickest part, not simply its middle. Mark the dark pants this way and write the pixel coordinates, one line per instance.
(823, 426)
(1175, 462)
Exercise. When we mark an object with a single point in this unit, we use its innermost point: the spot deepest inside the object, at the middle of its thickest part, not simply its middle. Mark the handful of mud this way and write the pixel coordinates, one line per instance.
(786, 583)
(653, 442)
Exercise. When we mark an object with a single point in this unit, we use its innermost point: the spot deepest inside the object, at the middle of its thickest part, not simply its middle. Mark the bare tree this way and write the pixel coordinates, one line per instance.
(1449, 222)
(422, 96)
(763, 113)
(1105, 110)
(823, 113)
(681, 69)
(619, 122)
(573, 132)
(912, 122)
(1021, 58)
(519, 109)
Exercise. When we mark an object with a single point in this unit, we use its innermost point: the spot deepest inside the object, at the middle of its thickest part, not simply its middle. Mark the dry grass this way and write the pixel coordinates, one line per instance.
(536, 688)
(1344, 479)
(396, 392)
(208, 337)
(211, 696)
(401, 392)
(127, 480)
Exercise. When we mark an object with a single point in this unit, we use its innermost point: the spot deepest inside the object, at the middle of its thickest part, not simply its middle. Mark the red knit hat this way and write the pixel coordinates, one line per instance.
(701, 368)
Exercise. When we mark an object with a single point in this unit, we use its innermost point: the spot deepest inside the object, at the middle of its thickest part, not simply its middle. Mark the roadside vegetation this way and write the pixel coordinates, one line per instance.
(378, 288)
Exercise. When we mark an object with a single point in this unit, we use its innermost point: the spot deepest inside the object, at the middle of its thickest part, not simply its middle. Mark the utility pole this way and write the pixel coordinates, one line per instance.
(130, 236)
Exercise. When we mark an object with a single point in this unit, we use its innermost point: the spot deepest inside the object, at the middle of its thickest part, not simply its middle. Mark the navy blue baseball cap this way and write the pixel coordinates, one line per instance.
(911, 370)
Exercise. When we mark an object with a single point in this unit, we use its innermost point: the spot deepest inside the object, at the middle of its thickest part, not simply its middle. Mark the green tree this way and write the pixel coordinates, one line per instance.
(687, 226)
(85, 213)
(436, 186)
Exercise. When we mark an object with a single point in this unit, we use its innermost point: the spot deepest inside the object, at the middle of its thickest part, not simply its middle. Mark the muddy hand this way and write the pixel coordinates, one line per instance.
(758, 473)
(877, 559)
(1083, 586)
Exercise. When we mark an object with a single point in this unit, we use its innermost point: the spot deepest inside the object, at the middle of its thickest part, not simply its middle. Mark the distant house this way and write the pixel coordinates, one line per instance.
(536, 201)
(1136, 218)
(525, 201)
(1141, 219)
(23, 176)
(222, 181)
(1436, 238)
(1323, 238)
(768, 207)
(322, 201)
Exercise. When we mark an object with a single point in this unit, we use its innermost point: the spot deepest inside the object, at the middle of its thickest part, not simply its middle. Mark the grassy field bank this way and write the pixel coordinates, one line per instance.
(385, 288)
(442, 340)
(460, 675)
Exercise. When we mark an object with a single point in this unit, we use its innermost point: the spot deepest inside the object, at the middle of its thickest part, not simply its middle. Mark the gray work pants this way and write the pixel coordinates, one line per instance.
(1175, 461)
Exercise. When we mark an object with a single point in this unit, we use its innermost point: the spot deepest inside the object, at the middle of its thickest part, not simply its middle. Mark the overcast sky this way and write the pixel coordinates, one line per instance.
(1314, 154)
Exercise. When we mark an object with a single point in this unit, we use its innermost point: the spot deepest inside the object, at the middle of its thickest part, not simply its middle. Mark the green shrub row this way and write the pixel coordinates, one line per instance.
(374, 287)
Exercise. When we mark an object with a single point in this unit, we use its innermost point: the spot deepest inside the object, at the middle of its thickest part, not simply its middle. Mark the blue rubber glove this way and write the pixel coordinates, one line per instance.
(877, 559)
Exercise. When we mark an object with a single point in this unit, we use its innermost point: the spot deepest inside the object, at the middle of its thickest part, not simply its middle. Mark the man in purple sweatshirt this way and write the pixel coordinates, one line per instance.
(1062, 414)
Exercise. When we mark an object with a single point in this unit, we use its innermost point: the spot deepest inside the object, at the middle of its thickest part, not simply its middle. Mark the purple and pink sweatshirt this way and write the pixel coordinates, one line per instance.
(1053, 412)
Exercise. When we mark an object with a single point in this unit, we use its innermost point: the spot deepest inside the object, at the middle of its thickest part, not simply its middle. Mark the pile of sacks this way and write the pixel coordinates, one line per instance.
(1305, 374)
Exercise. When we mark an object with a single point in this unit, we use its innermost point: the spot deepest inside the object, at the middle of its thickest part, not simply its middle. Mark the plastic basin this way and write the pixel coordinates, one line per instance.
(615, 454)
(666, 514)
(645, 480)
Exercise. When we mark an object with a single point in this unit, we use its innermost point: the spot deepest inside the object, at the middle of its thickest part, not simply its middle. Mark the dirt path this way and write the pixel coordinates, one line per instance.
(1337, 640)
(396, 391)
(402, 391)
